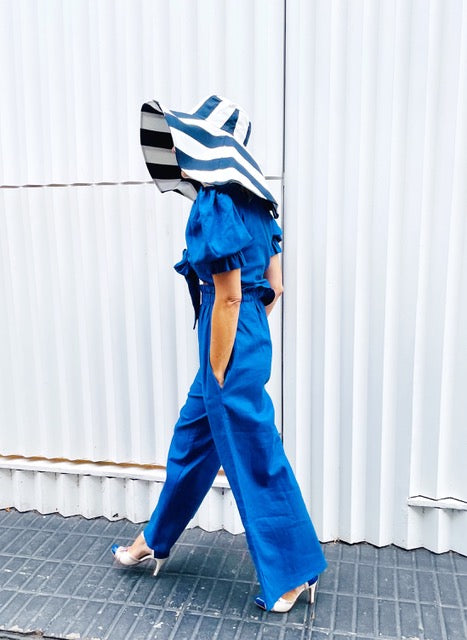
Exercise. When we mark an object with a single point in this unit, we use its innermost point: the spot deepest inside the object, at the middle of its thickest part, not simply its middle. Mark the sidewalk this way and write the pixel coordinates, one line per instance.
(58, 579)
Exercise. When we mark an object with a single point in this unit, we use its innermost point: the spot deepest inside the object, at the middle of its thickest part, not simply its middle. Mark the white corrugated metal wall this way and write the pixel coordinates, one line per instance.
(375, 331)
(375, 309)
(98, 349)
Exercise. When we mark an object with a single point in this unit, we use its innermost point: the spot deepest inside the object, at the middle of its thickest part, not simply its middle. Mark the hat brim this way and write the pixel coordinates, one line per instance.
(157, 144)
(206, 154)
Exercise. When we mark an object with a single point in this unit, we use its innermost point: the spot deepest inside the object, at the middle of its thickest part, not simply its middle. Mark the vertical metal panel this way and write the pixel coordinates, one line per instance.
(103, 490)
(98, 349)
(74, 76)
(97, 346)
(375, 262)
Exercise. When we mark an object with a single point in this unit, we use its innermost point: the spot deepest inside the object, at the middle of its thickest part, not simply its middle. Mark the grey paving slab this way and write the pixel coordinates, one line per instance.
(59, 580)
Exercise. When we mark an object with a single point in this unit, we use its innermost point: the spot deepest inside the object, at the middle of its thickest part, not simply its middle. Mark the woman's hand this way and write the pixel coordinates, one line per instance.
(224, 320)
(273, 275)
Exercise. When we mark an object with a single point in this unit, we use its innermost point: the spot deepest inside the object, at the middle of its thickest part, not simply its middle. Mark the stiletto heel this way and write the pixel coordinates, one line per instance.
(158, 567)
(282, 605)
(123, 556)
(311, 589)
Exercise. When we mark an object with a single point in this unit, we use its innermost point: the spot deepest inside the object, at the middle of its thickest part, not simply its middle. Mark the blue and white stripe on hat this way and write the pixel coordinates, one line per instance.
(208, 145)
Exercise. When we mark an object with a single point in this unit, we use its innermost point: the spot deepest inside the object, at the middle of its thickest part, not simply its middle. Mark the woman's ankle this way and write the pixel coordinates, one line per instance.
(139, 547)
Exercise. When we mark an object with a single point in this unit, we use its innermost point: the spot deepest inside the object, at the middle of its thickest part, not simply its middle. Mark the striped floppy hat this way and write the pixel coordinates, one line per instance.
(207, 145)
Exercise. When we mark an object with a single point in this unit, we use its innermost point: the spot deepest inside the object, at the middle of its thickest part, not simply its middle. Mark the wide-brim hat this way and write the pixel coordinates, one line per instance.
(208, 144)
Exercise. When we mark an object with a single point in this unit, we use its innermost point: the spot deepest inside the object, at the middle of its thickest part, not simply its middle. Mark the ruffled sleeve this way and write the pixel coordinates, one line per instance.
(276, 238)
(216, 234)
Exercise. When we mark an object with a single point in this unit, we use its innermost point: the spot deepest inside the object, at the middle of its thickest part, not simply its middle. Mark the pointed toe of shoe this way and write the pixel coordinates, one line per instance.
(282, 605)
(124, 557)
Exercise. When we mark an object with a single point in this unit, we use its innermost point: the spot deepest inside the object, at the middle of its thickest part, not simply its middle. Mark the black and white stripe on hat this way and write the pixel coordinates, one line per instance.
(210, 148)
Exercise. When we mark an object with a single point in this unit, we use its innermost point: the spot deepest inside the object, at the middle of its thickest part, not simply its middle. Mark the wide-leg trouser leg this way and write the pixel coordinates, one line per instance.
(234, 426)
(192, 465)
(280, 535)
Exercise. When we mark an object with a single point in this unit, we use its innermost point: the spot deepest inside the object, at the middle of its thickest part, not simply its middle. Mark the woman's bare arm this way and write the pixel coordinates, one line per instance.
(224, 321)
(273, 275)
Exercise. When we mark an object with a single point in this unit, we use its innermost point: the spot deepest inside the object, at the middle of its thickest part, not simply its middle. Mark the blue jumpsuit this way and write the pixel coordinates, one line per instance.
(233, 425)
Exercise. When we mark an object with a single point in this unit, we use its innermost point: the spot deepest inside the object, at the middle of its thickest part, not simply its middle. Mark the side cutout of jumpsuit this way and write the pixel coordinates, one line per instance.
(234, 425)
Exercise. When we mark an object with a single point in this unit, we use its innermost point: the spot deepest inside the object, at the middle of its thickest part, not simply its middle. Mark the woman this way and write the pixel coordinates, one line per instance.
(233, 248)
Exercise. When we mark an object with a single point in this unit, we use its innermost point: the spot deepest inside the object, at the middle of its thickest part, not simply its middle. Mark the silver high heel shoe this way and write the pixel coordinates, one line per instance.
(124, 557)
(282, 606)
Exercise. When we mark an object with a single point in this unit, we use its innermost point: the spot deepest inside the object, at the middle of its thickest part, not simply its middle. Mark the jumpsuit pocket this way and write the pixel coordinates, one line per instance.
(227, 369)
